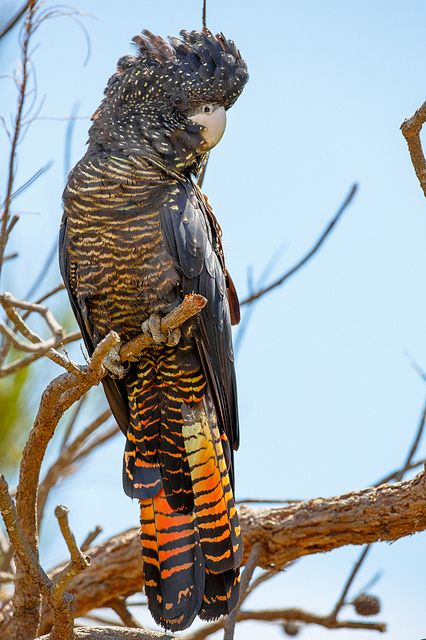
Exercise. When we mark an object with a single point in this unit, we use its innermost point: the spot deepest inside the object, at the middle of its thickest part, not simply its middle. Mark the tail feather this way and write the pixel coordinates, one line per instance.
(178, 463)
(220, 594)
(213, 500)
(173, 563)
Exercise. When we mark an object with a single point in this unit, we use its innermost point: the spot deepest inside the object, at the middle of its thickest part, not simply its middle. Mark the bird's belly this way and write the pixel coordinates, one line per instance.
(124, 284)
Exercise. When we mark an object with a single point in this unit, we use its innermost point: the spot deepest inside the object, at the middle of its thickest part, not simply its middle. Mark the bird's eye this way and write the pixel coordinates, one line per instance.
(179, 100)
(207, 109)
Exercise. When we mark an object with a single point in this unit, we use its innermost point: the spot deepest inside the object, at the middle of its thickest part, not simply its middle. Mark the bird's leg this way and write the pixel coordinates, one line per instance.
(152, 327)
(113, 364)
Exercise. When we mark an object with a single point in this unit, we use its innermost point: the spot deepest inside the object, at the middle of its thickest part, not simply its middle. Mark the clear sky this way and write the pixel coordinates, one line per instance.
(328, 400)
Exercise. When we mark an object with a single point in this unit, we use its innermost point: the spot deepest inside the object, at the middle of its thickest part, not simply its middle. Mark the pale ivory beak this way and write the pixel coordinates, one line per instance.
(214, 125)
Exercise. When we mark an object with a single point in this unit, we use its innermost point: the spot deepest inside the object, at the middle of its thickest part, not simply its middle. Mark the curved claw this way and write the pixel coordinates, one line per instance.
(113, 364)
(152, 327)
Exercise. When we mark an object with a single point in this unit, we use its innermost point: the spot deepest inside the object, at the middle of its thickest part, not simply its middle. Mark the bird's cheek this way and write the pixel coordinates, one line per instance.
(213, 124)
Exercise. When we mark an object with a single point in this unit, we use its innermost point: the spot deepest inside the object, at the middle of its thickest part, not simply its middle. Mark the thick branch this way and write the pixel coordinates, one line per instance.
(115, 633)
(57, 398)
(387, 512)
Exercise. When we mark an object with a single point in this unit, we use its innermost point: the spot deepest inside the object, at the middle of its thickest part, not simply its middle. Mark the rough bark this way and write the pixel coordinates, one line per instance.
(387, 512)
(115, 633)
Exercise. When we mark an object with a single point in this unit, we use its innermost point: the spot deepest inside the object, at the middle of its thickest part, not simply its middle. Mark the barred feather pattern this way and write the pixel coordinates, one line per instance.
(175, 464)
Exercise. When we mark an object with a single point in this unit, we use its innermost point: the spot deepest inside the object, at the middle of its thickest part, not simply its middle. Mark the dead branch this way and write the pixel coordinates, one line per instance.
(60, 394)
(411, 129)
(303, 261)
(116, 633)
(5, 227)
(14, 20)
(61, 601)
(387, 512)
(288, 615)
(91, 537)
(118, 605)
(251, 564)
(36, 345)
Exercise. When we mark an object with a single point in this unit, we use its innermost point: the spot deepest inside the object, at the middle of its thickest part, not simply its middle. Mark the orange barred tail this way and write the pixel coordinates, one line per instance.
(191, 559)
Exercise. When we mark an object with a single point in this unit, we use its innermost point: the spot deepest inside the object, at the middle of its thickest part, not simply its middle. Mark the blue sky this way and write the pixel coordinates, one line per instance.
(328, 399)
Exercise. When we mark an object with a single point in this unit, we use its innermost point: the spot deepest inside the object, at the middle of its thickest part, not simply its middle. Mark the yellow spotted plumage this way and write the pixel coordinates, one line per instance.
(137, 235)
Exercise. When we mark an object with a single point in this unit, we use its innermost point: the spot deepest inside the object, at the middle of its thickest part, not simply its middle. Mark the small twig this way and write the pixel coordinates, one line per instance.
(79, 561)
(63, 602)
(397, 477)
(415, 445)
(342, 599)
(105, 436)
(14, 20)
(44, 297)
(30, 8)
(287, 615)
(251, 564)
(65, 459)
(118, 605)
(71, 422)
(411, 129)
(91, 537)
(301, 263)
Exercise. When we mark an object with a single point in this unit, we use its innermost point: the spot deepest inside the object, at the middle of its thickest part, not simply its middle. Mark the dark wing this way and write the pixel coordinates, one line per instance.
(191, 241)
(115, 390)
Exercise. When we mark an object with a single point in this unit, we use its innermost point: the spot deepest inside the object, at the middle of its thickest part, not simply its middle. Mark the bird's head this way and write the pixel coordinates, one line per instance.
(169, 102)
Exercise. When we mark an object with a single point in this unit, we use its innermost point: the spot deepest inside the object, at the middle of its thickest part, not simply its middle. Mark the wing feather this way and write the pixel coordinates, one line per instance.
(191, 239)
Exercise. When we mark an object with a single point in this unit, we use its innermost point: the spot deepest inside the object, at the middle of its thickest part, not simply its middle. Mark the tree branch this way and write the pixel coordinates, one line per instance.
(411, 129)
(303, 261)
(387, 512)
(116, 633)
(288, 615)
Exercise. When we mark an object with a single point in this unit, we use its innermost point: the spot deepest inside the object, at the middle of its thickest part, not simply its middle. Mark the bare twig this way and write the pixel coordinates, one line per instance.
(13, 21)
(30, 8)
(415, 445)
(63, 602)
(118, 605)
(286, 615)
(357, 566)
(91, 537)
(411, 129)
(397, 477)
(301, 263)
(251, 564)
(66, 458)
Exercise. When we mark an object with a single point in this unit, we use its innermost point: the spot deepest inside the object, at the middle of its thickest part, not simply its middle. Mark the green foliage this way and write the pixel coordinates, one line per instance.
(14, 416)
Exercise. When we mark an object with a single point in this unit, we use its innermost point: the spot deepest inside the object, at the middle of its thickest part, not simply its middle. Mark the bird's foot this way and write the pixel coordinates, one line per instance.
(113, 364)
(152, 328)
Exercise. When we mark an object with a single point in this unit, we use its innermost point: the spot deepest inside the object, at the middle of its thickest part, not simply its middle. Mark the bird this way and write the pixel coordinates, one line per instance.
(137, 235)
